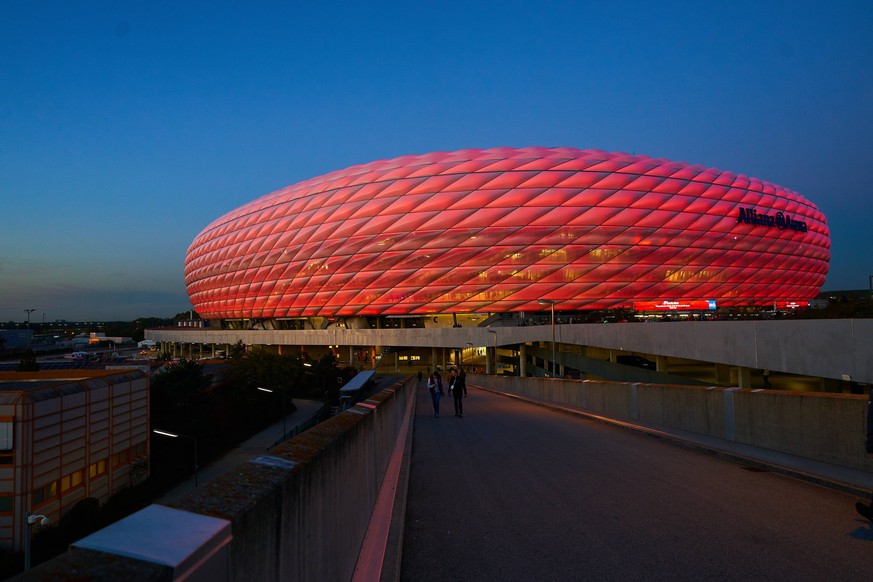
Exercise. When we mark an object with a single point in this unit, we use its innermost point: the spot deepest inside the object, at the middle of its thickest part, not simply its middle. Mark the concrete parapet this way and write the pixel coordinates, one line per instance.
(694, 409)
(825, 427)
(300, 512)
(821, 426)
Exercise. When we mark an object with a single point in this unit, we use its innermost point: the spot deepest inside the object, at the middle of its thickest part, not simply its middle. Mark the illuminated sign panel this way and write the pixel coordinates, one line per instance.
(665, 305)
(790, 304)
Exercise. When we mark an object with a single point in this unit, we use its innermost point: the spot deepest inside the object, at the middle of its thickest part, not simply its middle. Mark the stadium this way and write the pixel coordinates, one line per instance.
(508, 231)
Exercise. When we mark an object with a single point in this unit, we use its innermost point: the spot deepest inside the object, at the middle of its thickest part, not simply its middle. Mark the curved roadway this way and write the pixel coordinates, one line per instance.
(516, 491)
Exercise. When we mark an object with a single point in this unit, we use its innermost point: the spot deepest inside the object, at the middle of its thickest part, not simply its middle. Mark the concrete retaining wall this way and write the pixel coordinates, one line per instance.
(825, 427)
(300, 512)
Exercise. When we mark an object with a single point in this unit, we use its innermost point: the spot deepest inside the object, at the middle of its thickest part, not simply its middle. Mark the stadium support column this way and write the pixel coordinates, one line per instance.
(661, 363)
(744, 377)
(722, 374)
(433, 359)
(522, 360)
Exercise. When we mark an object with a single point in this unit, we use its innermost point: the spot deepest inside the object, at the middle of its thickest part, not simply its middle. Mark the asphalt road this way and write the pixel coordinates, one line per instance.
(515, 491)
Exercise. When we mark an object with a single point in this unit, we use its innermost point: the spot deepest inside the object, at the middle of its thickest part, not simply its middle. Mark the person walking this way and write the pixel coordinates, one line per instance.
(435, 386)
(862, 508)
(458, 388)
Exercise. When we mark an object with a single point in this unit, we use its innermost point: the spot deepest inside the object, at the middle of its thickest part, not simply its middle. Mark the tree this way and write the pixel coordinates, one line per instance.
(258, 367)
(237, 350)
(178, 391)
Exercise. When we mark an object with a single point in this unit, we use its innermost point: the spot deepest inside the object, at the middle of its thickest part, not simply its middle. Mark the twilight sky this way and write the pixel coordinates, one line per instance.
(127, 127)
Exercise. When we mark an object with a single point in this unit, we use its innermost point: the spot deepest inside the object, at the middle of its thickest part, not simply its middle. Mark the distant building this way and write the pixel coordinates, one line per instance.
(15, 339)
(67, 435)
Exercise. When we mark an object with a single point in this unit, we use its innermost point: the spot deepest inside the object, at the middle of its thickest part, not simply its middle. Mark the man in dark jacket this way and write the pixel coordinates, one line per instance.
(867, 510)
(458, 388)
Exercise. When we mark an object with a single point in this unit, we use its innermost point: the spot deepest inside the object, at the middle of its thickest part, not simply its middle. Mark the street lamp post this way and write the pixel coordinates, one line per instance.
(184, 436)
(31, 520)
(29, 311)
(552, 303)
(489, 330)
(284, 429)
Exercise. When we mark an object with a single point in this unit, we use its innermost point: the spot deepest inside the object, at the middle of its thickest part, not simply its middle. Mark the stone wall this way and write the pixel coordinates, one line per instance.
(299, 512)
(821, 426)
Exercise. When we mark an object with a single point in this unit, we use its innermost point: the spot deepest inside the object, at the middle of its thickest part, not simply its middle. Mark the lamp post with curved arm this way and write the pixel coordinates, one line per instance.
(184, 436)
(30, 520)
(284, 428)
(552, 303)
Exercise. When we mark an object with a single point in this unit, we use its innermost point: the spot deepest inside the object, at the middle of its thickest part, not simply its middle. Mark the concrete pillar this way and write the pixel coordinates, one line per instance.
(661, 363)
(397, 361)
(744, 377)
(612, 356)
(722, 374)
(522, 360)
(351, 355)
(489, 356)
(433, 359)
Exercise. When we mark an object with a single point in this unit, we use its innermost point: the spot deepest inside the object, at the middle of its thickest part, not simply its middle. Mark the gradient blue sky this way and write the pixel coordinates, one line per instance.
(126, 127)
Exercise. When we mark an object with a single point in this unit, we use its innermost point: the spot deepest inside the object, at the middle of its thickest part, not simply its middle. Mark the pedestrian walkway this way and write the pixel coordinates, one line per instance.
(522, 490)
(257, 444)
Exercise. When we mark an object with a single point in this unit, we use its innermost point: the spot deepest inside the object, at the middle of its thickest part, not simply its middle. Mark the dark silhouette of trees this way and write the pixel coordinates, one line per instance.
(28, 362)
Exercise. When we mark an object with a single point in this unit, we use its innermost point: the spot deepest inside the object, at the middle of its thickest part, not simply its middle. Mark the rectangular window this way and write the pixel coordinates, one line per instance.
(76, 479)
(45, 493)
(97, 469)
(65, 483)
(6, 503)
(122, 458)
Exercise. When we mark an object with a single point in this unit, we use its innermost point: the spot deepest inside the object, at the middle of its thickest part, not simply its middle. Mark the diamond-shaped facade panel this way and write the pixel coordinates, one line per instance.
(497, 230)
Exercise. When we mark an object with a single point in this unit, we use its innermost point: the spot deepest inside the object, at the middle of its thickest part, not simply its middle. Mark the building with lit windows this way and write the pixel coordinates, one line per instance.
(67, 435)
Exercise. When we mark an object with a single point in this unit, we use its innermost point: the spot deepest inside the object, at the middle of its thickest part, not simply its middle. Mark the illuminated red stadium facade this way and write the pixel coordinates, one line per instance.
(497, 230)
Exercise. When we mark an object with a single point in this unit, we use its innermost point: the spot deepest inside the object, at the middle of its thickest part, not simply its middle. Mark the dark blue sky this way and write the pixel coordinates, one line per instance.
(126, 127)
